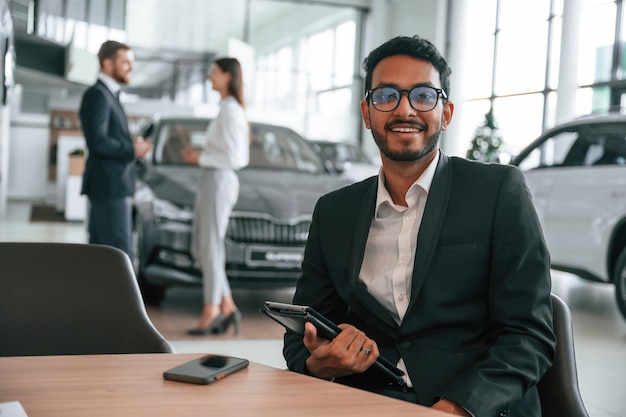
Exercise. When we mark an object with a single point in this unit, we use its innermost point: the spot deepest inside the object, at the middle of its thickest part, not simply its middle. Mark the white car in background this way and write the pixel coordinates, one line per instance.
(576, 173)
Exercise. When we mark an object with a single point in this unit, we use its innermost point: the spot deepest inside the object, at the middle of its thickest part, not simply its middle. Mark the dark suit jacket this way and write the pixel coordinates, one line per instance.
(478, 330)
(110, 170)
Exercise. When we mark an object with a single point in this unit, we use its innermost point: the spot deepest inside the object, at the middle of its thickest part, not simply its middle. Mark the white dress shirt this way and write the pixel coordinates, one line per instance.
(110, 83)
(387, 267)
(228, 138)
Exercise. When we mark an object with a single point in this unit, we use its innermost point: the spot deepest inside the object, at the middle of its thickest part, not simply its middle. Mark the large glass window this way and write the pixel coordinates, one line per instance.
(596, 43)
(479, 78)
(320, 68)
(520, 119)
(521, 59)
(312, 89)
(85, 23)
(512, 54)
(479, 48)
(345, 41)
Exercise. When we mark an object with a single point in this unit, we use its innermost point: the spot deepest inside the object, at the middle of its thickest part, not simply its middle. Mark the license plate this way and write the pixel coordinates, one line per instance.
(274, 257)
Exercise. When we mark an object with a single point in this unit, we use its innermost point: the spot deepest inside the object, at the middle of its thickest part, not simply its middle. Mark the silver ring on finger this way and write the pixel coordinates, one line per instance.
(365, 351)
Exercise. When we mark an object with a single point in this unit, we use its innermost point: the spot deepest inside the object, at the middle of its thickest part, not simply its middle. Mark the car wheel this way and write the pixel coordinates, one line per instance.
(619, 278)
(151, 294)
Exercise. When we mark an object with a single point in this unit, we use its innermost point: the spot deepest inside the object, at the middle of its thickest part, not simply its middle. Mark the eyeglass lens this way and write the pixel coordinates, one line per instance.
(422, 98)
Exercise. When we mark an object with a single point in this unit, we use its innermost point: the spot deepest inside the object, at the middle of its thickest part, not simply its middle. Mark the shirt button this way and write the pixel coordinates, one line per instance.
(400, 298)
(404, 258)
(409, 217)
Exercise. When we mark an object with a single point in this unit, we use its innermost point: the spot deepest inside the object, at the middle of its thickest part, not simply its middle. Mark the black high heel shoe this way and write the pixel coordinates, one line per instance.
(234, 318)
(214, 327)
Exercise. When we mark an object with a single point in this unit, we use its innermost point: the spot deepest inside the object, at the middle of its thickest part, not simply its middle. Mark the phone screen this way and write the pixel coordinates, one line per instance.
(214, 361)
(206, 369)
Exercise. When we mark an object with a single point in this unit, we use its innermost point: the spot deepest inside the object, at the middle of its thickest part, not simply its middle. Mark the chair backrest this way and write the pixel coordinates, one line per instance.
(62, 299)
(558, 389)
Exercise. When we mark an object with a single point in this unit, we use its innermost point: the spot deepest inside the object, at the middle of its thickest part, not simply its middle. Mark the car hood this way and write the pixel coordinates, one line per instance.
(284, 195)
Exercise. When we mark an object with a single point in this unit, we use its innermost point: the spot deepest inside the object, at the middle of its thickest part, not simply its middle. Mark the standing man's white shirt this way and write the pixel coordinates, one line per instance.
(227, 145)
(110, 83)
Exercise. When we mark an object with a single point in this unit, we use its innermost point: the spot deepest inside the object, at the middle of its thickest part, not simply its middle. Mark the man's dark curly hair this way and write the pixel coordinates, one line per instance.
(414, 47)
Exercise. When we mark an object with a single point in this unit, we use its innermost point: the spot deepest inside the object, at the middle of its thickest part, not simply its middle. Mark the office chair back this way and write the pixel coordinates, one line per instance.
(62, 299)
(558, 389)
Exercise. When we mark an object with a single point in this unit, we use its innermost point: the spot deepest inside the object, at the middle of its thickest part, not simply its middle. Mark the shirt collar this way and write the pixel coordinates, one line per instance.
(424, 182)
(110, 83)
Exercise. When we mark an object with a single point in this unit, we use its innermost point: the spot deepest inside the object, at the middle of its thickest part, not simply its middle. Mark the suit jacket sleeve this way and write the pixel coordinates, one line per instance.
(104, 141)
(315, 288)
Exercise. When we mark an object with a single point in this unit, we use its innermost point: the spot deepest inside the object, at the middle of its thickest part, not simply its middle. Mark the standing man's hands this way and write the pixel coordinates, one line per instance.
(142, 147)
(351, 352)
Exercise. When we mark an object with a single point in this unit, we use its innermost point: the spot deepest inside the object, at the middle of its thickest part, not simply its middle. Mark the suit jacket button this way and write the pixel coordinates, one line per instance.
(504, 413)
(405, 344)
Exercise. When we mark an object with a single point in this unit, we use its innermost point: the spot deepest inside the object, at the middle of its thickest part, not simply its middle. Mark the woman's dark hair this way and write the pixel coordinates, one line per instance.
(108, 50)
(414, 47)
(235, 87)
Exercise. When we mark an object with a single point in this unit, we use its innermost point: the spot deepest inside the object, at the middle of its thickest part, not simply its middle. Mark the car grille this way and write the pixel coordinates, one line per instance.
(254, 230)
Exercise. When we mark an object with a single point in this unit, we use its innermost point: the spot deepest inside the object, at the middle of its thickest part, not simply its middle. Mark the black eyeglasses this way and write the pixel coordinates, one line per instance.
(422, 98)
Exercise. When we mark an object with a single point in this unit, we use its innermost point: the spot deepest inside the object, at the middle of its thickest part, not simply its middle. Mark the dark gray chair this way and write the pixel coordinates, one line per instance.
(63, 299)
(558, 389)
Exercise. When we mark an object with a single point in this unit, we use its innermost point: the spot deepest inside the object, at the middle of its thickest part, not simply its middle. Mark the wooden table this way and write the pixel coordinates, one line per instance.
(132, 385)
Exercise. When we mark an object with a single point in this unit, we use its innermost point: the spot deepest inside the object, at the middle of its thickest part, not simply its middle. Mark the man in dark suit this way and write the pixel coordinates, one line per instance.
(109, 177)
(438, 264)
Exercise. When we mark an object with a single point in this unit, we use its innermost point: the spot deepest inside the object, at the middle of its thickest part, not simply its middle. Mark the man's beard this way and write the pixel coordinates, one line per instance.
(120, 78)
(405, 155)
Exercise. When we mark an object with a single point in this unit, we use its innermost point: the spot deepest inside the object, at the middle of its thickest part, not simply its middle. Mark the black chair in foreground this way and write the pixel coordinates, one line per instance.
(64, 299)
(558, 389)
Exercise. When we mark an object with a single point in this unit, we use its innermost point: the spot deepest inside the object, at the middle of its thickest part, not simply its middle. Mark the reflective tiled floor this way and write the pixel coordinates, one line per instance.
(599, 330)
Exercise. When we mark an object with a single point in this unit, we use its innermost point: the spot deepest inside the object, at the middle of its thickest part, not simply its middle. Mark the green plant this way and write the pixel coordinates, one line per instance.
(487, 141)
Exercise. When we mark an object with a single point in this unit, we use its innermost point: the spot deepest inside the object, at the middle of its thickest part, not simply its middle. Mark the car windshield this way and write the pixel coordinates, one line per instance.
(271, 147)
(579, 146)
(343, 152)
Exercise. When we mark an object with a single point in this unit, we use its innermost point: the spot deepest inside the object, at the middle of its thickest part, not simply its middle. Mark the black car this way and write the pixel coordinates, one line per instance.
(269, 225)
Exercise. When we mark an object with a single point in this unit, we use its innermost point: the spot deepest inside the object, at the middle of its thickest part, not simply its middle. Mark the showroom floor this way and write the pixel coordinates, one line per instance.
(599, 329)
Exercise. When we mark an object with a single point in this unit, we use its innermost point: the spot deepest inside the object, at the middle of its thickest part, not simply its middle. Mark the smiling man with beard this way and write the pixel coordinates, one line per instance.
(437, 264)
(109, 177)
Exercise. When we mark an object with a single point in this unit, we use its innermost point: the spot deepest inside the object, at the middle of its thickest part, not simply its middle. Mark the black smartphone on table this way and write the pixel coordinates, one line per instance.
(206, 369)
(293, 317)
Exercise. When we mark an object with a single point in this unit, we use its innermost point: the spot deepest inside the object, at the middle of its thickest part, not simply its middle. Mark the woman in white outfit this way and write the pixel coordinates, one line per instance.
(226, 151)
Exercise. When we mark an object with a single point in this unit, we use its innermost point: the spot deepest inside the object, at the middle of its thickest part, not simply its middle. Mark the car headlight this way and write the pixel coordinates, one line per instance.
(166, 211)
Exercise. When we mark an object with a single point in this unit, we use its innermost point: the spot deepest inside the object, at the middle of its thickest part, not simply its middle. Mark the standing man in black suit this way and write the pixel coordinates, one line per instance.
(438, 263)
(109, 177)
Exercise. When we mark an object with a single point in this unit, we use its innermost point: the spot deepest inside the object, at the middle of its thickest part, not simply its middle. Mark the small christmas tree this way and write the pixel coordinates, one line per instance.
(487, 141)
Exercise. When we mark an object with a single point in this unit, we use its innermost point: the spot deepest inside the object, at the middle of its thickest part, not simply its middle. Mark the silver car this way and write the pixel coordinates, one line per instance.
(576, 173)
(268, 228)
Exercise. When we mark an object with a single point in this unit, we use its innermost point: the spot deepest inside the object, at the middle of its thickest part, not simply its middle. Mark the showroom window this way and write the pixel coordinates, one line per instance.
(514, 49)
(84, 22)
(310, 83)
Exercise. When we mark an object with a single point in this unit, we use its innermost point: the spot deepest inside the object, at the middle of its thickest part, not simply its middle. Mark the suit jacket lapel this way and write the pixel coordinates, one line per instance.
(428, 234)
(361, 232)
(117, 106)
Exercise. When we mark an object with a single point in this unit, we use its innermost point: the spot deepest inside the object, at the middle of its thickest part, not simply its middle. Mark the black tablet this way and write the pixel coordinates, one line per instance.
(293, 317)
